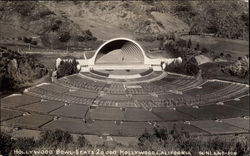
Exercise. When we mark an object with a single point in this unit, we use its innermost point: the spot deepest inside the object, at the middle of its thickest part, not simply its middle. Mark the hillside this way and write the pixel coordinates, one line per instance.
(109, 19)
(33, 20)
(61, 24)
(135, 18)
(17, 70)
(227, 19)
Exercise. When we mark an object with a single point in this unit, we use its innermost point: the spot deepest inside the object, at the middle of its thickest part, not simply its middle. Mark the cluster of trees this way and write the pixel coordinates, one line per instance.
(85, 36)
(182, 48)
(220, 28)
(48, 140)
(161, 139)
(220, 18)
(186, 50)
(240, 68)
(177, 138)
(28, 40)
(67, 68)
(157, 37)
(64, 36)
(17, 69)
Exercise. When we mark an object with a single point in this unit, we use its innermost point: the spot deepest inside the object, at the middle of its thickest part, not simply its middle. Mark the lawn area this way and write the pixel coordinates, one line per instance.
(213, 71)
(236, 48)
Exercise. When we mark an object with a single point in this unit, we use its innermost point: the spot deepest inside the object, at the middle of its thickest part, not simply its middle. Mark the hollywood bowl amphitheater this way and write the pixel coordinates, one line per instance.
(120, 91)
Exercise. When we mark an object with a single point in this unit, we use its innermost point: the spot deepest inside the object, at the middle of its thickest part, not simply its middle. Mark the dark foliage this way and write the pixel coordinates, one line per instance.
(189, 44)
(177, 138)
(33, 42)
(81, 141)
(17, 69)
(65, 37)
(239, 69)
(46, 13)
(192, 67)
(19, 38)
(161, 138)
(25, 8)
(86, 36)
(24, 144)
(6, 144)
(67, 68)
(57, 138)
(56, 25)
(27, 39)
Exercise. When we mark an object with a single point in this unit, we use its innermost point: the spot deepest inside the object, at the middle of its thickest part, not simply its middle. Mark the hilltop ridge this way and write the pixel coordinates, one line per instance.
(60, 24)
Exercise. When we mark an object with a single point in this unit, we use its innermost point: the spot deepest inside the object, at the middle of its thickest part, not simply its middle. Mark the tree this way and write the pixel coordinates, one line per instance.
(192, 67)
(204, 50)
(189, 43)
(197, 46)
(82, 141)
(74, 66)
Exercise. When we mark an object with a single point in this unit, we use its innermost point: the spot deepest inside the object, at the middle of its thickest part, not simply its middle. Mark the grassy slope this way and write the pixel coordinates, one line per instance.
(170, 22)
(6, 28)
(235, 48)
(212, 71)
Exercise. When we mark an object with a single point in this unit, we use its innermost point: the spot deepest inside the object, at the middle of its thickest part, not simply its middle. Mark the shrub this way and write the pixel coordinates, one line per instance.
(204, 50)
(86, 36)
(27, 40)
(33, 42)
(19, 38)
(197, 46)
(24, 144)
(46, 13)
(88, 32)
(24, 8)
(65, 37)
(181, 43)
(57, 138)
(81, 141)
(55, 27)
(148, 1)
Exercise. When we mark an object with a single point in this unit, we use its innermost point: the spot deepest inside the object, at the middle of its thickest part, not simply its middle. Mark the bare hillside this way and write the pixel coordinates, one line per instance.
(110, 19)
